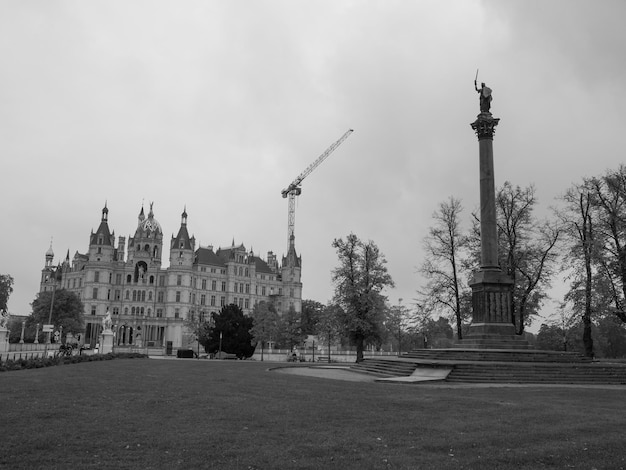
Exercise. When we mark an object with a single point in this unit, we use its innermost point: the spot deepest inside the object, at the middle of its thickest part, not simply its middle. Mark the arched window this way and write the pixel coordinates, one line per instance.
(132, 311)
(150, 295)
(127, 295)
(125, 310)
(146, 247)
(151, 279)
(134, 296)
(149, 312)
(143, 295)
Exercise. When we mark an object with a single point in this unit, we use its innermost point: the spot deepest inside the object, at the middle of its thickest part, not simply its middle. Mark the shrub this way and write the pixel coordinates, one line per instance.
(38, 362)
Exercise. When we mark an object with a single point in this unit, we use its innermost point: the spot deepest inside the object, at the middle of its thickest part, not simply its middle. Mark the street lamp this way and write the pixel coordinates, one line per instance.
(54, 288)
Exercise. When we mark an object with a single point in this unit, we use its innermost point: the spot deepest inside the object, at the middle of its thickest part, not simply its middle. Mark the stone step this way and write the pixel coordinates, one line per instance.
(504, 355)
(388, 368)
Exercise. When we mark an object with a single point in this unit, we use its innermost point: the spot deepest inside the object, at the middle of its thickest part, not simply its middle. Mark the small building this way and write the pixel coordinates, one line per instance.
(154, 306)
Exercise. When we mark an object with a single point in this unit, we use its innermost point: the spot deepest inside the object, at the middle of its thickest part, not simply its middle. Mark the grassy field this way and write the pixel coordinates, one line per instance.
(186, 414)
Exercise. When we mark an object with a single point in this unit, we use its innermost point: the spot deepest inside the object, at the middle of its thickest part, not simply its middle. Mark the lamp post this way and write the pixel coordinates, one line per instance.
(37, 334)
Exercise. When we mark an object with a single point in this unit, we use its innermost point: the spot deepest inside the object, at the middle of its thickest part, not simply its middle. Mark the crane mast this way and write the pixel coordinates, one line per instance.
(294, 188)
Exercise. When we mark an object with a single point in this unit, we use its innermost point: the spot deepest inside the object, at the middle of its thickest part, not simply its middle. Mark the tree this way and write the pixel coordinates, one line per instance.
(579, 231)
(359, 281)
(231, 328)
(6, 288)
(67, 311)
(311, 312)
(396, 322)
(289, 331)
(437, 333)
(609, 201)
(527, 250)
(444, 246)
(329, 325)
(265, 324)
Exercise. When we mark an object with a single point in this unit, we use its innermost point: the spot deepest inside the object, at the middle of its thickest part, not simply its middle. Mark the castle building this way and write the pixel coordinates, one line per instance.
(153, 306)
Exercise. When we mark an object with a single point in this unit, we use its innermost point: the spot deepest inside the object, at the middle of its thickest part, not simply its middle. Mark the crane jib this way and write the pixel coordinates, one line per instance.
(294, 190)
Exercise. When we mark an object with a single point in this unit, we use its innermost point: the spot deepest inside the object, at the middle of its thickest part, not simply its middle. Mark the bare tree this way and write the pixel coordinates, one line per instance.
(579, 230)
(445, 247)
(527, 250)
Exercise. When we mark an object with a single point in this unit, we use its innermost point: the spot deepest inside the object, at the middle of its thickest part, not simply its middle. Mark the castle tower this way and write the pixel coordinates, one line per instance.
(101, 242)
(292, 278)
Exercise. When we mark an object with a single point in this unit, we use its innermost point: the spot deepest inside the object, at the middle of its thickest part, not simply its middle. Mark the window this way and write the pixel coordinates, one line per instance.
(143, 295)
(132, 310)
(96, 276)
(151, 279)
(247, 303)
(177, 313)
(159, 313)
(235, 287)
(291, 292)
(247, 288)
(241, 288)
(179, 280)
(223, 286)
(94, 294)
(263, 290)
(222, 301)
(241, 302)
(213, 301)
(110, 278)
(109, 294)
(161, 281)
(129, 278)
(125, 310)
(213, 285)
(127, 295)
(116, 310)
(247, 273)
(202, 299)
(177, 297)
(93, 309)
(240, 271)
(204, 284)
(160, 297)
(141, 311)
(150, 296)
(149, 312)
(118, 278)
(134, 296)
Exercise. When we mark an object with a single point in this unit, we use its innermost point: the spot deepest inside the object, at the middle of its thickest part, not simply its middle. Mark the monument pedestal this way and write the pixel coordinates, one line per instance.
(492, 319)
(107, 342)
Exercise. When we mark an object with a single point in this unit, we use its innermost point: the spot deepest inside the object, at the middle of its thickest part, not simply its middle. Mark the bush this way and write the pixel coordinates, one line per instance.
(21, 364)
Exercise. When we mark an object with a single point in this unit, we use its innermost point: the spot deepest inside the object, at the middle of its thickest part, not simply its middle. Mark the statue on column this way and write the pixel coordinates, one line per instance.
(484, 94)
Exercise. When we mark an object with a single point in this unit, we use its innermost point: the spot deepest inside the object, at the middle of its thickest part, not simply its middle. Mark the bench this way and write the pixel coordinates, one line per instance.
(322, 359)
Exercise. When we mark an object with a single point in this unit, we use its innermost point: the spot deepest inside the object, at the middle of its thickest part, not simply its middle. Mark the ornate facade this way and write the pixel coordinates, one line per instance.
(152, 306)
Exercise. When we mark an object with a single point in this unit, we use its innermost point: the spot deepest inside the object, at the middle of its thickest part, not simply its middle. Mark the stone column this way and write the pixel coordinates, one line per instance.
(492, 322)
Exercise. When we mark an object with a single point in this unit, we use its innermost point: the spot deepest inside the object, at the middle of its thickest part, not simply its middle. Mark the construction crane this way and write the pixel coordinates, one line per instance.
(294, 188)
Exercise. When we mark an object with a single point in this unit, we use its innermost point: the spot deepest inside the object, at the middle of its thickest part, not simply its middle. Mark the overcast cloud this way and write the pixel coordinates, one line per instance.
(219, 105)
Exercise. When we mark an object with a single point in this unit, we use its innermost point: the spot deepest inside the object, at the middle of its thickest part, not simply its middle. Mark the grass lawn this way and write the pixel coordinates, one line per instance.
(171, 414)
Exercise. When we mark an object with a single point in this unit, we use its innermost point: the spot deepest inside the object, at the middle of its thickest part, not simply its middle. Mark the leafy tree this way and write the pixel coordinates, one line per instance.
(445, 246)
(67, 311)
(329, 325)
(552, 338)
(265, 324)
(359, 281)
(6, 288)
(289, 330)
(611, 337)
(234, 328)
(396, 322)
(438, 333)
(311, 312)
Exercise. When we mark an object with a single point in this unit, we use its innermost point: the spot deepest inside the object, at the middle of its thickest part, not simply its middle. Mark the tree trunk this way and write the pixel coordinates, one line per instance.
(359, 348)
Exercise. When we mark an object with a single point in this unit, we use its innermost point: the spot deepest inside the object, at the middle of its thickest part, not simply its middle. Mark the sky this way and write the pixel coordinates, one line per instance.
(216, 106)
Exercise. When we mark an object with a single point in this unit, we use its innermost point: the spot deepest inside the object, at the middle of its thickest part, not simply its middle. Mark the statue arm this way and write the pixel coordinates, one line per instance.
(476, 86)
